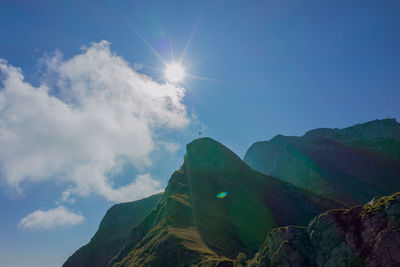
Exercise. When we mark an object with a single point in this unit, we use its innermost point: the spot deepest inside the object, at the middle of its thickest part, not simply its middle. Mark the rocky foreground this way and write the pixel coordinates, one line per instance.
(360, 236)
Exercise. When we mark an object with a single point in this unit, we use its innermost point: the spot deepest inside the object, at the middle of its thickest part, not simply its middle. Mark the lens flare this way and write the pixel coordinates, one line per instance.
(222, 195)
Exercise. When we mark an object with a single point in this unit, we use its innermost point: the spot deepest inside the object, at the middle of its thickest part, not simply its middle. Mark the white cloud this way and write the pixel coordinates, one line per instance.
(170, 147)
(66, 196)
(92, 116)
(143, 186)
(50, 219)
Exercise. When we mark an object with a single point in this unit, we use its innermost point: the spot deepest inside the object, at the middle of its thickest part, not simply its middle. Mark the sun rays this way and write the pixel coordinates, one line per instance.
(172, 70)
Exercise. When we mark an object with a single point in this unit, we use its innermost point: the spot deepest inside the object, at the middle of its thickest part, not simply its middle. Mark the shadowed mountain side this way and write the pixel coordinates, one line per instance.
(191, 225)
(113, 231)
(352, 165)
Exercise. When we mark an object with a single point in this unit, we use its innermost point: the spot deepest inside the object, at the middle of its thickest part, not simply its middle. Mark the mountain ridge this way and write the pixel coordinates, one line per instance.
(113, 230)
(191, 223)
(217, 211)
(352, 164)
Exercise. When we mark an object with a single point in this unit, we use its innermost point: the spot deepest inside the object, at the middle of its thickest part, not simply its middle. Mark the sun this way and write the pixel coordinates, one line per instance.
(174, 72)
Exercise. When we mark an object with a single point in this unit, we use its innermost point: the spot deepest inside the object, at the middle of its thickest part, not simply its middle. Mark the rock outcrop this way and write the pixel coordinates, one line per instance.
(360, 236)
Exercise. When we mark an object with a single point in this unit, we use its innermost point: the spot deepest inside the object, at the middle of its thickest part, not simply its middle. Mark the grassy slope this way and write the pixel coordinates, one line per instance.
(113, 231)
(190, 224)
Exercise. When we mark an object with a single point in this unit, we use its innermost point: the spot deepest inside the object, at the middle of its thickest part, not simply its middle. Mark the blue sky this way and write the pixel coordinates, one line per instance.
(82, 128)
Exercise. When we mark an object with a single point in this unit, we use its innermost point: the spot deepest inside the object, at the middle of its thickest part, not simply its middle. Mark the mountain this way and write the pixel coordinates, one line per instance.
(192, 226)
(113, 231)
(351, 165)
(360, 236)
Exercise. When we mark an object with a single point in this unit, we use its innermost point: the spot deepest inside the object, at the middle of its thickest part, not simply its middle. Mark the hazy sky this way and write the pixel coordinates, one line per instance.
(87, 118)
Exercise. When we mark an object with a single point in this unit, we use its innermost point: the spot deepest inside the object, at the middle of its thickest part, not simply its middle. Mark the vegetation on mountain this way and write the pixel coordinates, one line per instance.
(192, 226)
(217, 211)
(113, 231)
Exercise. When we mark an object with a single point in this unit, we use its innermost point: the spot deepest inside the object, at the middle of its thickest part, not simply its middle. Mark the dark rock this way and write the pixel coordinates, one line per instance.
(286, 246)
(361, 236)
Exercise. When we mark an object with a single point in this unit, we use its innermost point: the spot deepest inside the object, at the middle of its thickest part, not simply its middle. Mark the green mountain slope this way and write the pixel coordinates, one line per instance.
(352, 165)
(113, 231)
(191, 226)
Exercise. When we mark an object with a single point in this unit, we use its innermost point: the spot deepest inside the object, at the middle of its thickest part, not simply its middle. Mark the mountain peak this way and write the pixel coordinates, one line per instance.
(191, 225)
(203, 141)
(207, 154)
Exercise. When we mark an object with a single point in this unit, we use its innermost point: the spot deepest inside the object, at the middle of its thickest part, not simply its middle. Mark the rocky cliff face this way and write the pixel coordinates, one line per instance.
(113, 232)
(361, 236)
(191, 226)
(351, 165)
